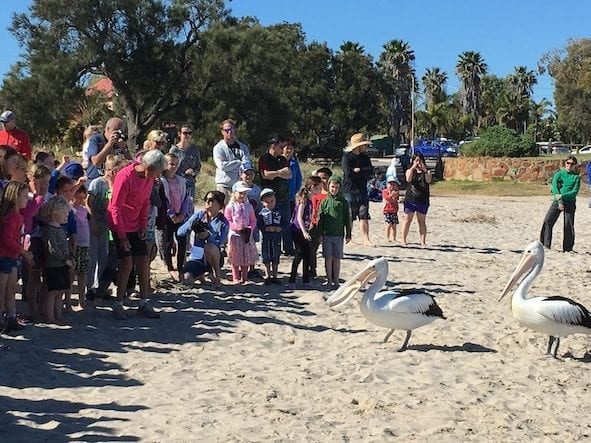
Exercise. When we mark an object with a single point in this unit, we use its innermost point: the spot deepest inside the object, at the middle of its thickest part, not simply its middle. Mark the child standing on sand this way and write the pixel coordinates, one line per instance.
(240, 214)
(334, 225)
(82, 253)
(58, 257)
(269, 223)
(14, 198)
(390, 197)
(300, 230)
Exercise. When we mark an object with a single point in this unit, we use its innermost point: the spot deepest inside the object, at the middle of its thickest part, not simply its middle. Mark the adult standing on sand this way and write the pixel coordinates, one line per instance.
(229, 154)
(127, 215)
(357, 170)
(565, 187)
(416, 200)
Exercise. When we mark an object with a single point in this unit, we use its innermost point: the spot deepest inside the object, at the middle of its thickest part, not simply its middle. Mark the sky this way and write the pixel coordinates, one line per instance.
(507, 33)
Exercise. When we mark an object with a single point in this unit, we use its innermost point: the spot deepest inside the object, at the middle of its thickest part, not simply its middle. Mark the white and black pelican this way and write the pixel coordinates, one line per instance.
(405, 310)
(553, 315)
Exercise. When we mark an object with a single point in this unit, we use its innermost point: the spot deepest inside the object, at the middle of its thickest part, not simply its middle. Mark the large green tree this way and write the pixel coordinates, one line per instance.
(356, 94)
(571, 70)
(143, 46)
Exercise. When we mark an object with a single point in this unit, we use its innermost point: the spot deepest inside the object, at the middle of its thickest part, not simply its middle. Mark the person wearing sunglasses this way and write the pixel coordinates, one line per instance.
(210, 231)
(190, 157)
(229, 154)
(565, 187)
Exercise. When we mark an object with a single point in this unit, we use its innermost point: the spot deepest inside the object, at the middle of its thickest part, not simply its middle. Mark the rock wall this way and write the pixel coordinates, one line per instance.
(503, 168)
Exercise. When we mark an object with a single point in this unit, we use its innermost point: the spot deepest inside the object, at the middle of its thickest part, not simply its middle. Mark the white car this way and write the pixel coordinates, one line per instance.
(583, 150)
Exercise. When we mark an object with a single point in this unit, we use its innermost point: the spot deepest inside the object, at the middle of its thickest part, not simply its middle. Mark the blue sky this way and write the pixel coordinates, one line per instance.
(507, 33)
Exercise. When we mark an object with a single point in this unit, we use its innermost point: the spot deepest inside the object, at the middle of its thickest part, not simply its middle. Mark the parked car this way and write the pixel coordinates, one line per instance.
(584, 150)
(436, 148)
(560, 150)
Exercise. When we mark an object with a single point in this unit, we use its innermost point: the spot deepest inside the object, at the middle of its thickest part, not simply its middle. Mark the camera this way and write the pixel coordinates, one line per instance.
(199, 227)
(120, 136)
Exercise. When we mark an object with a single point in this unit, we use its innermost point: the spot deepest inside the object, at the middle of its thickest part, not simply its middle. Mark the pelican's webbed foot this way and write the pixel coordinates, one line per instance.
(405, 344)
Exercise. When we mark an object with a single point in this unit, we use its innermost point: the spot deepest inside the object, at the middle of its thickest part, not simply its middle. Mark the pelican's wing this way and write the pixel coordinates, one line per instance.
(410, 302)
(564, 310)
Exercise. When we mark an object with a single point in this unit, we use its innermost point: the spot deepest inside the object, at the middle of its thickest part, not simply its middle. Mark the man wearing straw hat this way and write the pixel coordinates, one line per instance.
(357, 170)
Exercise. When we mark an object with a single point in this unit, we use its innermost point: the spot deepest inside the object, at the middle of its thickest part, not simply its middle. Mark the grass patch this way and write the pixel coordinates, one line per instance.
(488, 188)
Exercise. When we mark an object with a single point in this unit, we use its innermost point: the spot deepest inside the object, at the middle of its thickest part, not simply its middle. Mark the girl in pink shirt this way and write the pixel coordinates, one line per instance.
(240, 213)
(176, 208)
(14, 198)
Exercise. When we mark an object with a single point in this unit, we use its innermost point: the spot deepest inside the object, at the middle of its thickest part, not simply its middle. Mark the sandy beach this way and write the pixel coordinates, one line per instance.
(260, 363)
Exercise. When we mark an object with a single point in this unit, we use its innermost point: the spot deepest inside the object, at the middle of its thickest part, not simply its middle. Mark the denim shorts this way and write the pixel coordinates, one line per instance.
(332, 246)
(8, 264)
(410, 208)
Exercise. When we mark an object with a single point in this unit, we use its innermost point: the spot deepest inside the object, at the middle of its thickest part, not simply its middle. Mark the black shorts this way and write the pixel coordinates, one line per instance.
(138, 246)
(57, 279)
(359, 206)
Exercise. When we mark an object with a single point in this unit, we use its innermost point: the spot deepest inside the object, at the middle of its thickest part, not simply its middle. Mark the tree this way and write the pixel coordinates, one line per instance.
(470, 69)
(434, 86)
(356, 94)
(521, 82)
(571, 71)
(270, 82)
(492, 88)
(143, 46)
(396, 65)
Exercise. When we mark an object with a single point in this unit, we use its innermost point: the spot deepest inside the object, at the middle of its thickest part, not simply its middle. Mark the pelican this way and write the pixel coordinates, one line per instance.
(553, 315)
(406, 310)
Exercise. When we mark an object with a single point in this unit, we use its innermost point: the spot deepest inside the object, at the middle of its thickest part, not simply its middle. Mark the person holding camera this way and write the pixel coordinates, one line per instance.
(100, 145)
(211, 232)
(416, 200)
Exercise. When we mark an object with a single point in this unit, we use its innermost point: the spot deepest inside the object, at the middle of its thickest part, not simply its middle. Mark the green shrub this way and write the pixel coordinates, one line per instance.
(500, 141)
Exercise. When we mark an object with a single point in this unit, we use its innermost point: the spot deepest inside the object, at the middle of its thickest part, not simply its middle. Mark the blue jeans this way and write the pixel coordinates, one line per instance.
(283, 206)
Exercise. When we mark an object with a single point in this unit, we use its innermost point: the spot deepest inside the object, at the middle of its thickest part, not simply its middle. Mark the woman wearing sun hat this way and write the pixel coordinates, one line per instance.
(357, 170)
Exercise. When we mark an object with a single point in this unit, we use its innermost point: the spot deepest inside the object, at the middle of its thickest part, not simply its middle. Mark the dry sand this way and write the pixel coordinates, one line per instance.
(261, 363)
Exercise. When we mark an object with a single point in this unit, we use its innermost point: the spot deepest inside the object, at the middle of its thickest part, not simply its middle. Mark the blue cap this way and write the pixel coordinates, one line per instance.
(247, 166)
(74, 170)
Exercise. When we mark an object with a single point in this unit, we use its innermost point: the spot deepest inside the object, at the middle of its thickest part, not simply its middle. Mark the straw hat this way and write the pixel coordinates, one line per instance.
(356, 141)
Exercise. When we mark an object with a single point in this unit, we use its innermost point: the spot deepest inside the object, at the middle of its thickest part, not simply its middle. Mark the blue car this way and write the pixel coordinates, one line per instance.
(436, 149)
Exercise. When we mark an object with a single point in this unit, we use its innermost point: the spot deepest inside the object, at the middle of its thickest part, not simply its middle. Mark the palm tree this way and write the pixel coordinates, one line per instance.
(433, 86)
(522, 81)
(396, 64)
(538, 111)
(470, 69)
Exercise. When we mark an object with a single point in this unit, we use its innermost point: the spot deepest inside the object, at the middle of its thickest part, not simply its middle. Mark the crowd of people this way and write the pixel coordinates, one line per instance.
(102, 221)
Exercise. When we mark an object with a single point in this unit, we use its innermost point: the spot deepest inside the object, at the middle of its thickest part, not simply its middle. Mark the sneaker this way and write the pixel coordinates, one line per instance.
(276, 281)
(254, 274)
(24, 320)
(12, 325)
(119, 312)
(267, 281)
(290, 286)
(307, 286)
(147, 311)
(90, 294)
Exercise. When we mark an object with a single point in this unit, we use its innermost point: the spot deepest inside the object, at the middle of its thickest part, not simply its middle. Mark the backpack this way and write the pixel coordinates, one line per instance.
(588, 168)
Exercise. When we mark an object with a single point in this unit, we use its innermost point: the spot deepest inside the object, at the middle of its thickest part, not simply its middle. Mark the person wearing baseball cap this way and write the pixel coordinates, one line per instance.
(270, 224)
(14, 137)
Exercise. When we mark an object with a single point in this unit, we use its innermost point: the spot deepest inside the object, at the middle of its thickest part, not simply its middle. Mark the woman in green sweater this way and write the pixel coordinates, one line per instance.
(565, 187)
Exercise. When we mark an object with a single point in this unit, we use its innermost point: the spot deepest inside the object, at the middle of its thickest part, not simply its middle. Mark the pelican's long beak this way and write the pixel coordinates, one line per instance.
(527, 262)
(348, 290)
